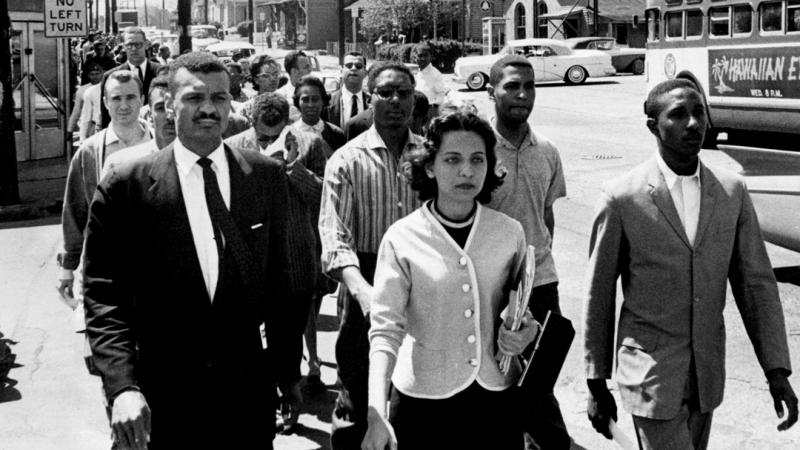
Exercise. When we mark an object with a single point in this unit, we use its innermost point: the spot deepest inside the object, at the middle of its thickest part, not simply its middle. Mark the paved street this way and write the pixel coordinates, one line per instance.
(50, 402)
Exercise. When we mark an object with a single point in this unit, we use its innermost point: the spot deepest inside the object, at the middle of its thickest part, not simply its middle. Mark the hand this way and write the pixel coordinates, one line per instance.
(130, 421)
(782, 392)
(66, 282)
(600, 406)
(291, 397)
(292, 147)
(513, 343)
(380, 434)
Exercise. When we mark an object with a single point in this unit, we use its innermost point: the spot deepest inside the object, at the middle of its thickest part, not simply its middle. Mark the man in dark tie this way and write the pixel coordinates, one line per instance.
(350, 100)
(136, 46)
(184, 271)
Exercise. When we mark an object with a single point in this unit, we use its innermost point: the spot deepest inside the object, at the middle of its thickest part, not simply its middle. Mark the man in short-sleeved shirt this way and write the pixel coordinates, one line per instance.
(534, 181)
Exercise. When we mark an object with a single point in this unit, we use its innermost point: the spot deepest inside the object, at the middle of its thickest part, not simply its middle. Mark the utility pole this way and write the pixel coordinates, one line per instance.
(108, 16)
(596, 19)
(184, 20)
(252, 19)
(146, 19)
(113, 15)
(463, 23)
(9, 189)
(205, 11)
(341, 32)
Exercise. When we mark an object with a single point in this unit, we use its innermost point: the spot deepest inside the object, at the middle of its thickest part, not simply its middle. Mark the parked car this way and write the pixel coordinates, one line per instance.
(203, 36)
(552, 60)
(226, 49)
(624, 59)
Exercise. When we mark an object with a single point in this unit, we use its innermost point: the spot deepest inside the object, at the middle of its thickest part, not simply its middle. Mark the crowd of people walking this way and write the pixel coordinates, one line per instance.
(209, 226)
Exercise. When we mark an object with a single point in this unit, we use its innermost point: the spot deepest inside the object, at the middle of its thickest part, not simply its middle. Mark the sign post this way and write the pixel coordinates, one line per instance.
(65, 18)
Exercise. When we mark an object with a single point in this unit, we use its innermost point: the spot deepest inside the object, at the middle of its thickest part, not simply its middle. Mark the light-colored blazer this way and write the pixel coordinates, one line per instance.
(674, 293)
(437, 306)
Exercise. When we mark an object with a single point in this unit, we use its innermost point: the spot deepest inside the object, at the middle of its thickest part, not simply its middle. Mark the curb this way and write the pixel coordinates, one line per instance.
(29, 211)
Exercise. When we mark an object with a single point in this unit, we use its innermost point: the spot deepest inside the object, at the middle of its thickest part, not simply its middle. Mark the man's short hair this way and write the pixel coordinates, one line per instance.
(123, 76)
(270, 108)
(259, 61)
(291, 59)
(381, 67)
(496, 72)
(194, 62)
(358, 55)
(652, 107)
(421, 47)
(311, 80)
(159, 82)
(92, 65)
(135, 30)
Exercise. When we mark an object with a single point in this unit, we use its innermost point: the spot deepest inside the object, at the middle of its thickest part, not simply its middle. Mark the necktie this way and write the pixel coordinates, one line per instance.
(354, 106)
(224, 226)
(141, 77)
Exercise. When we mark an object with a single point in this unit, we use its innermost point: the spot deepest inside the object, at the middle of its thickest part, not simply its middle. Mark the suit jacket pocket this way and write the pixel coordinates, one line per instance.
(646, 341)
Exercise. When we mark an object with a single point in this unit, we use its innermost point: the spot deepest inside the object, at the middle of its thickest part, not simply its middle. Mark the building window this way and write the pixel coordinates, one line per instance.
(542, 25)
(519, 21)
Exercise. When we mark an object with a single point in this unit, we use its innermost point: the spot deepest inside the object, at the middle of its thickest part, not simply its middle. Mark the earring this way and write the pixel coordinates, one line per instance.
(429, 173)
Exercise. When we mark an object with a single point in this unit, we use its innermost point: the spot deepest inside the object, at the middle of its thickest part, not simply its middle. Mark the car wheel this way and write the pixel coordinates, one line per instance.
(476, 81)
(637, 67)
(575, 75)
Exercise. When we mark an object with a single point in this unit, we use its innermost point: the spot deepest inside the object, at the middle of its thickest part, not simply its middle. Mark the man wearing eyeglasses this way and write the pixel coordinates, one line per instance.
(350, 100)
(353, 220)
(136, 45)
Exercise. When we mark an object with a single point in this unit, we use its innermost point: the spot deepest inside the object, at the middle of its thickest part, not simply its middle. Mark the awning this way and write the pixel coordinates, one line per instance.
(359, 5)
(564, 13)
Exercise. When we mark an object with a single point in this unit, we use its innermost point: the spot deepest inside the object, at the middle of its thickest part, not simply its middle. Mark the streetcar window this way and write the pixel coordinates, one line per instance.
(742, 19)
(674, 21)
(719, 21)
(793, 13)
(694, 22)
(653, 23)
(771, 16)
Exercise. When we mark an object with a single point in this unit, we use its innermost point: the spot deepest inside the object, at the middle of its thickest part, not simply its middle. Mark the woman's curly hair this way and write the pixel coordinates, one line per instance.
(459, 120)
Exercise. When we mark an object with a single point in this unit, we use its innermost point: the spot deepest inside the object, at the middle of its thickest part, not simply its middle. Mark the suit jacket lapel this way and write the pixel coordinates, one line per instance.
(663, 200)
(708, 188)
(241, 191)
(166, 192)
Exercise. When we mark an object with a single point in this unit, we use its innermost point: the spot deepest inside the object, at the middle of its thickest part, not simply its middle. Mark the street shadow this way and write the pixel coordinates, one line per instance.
(320, 405)
(789, 275)
(8, 393)
(40, 222)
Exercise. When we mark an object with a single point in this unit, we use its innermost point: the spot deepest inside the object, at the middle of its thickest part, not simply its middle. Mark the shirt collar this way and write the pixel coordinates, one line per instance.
(186, 159)
(111, 136)
(348, 95)
(142, 66)
(529, 138)
(671, 177)
(318, 127)
(278, 144)
(375, 141)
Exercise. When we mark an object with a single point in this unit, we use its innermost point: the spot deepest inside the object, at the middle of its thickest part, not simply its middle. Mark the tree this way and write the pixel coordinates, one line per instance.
(380, 17)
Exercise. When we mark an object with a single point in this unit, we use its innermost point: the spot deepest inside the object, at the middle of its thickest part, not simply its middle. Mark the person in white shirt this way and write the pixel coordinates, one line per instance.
(95, 74)
(429, 79)
(297, 66)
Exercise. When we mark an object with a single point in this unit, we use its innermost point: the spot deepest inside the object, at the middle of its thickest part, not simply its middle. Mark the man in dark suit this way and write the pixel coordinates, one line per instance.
(350, 100)
(185, 267)
(677, 232)
(136, 46)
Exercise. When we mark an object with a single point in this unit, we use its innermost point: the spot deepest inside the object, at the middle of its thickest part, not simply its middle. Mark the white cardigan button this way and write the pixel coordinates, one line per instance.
(471, 339)
(465, 287)
(468, 313)
(473, 362)
(463, 261)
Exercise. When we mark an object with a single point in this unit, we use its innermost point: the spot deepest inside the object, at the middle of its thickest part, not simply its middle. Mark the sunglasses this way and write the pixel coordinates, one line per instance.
(358, 66)
(389, 92)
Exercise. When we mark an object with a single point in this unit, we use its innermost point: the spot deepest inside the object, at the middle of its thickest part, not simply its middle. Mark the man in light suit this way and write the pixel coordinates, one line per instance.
(184, 266)
(136, 45)
(676, 231)
(351, 99)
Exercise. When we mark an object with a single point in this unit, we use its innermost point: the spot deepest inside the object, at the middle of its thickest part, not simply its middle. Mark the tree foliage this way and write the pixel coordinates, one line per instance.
(381, 17)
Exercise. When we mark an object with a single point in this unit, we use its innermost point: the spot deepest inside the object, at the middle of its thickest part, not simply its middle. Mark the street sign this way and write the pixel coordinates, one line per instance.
(65, 18)
(486, 5)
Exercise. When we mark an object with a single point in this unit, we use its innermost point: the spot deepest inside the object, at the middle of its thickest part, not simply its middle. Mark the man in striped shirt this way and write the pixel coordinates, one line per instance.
(365, 191)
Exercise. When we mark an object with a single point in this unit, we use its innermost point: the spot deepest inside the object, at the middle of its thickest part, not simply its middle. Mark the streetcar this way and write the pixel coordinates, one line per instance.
(745, 57)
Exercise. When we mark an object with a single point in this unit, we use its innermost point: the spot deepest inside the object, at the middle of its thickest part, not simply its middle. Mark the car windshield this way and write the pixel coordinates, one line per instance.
(602, 45)
(532, 50)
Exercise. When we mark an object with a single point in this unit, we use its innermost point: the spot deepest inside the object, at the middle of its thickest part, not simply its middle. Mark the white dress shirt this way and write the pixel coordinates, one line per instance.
(685, 193)
(430, 82)
(347, 103)
(190, 175)
(142, 67)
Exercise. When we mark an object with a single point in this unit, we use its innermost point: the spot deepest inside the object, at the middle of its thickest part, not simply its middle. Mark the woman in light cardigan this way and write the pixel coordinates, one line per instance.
(442, 280)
